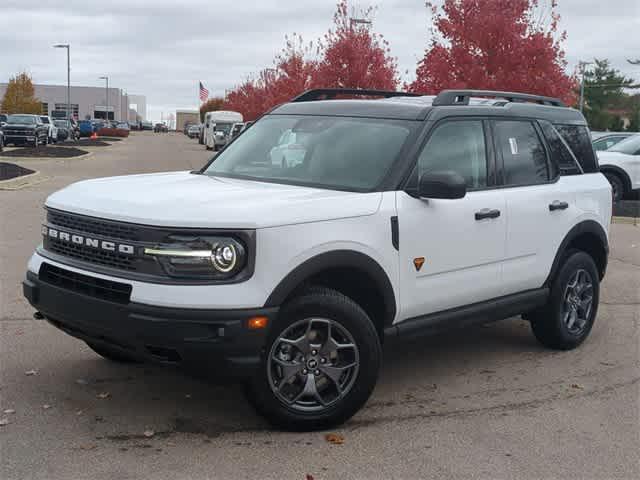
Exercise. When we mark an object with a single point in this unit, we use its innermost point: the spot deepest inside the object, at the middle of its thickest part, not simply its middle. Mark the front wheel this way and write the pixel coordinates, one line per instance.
(320, 365)
(567, 319)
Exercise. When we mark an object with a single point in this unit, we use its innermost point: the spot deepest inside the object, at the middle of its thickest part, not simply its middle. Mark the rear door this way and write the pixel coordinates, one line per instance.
(451, 250)
(539, 207)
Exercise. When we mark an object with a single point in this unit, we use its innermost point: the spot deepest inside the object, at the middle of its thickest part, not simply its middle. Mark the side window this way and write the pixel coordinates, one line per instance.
(458, 146)
(579, 140)
(562, 155)
(523, 154)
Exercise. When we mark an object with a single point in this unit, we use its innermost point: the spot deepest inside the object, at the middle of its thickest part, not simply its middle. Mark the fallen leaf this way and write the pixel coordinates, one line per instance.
(4, 421)
(103, 395)
(46, 406)
(334, 438)
(9, 410)
(79, 412)
(149, 433)
(29, 373)
(576, 386)
(309, 477)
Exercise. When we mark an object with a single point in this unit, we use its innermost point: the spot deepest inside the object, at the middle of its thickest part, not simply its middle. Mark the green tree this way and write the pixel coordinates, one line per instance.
(604, 88)
(20, 96)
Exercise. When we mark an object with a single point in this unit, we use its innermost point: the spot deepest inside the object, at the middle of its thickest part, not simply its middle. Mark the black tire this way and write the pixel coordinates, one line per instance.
(548, 324)
(113, 355)
(617, 186)
(323, 303)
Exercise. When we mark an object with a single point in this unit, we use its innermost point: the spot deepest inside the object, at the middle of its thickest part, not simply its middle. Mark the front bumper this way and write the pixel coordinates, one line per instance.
(19, 138)
(215, 342)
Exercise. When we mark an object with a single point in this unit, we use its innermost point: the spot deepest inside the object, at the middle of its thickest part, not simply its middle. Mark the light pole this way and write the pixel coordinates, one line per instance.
(106, 108)
(358, 21)
(583, 66)
(66, 45)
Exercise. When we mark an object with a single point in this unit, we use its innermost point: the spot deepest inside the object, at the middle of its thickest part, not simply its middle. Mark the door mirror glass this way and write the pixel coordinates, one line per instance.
(445, 184)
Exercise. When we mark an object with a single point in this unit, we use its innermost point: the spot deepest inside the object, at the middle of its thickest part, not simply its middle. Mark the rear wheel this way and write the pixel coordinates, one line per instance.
(617, 186)
(320, 365)
(111, 354)
(567, 319)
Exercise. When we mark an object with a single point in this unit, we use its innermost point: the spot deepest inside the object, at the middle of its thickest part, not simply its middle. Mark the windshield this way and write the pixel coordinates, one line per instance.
(21, 119)
(223, 127)
(333, 152)
(630, 146)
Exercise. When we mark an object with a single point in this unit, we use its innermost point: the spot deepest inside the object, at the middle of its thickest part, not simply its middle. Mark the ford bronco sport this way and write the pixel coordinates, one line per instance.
(391, 217)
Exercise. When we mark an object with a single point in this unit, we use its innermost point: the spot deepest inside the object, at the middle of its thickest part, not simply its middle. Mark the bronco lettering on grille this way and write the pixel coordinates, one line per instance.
(88, 241)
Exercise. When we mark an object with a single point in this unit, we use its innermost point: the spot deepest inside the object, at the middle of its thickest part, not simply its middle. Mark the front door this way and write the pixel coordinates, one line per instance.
(451, 251)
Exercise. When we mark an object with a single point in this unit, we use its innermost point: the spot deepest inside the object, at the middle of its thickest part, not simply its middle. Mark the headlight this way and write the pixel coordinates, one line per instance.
(216, 258)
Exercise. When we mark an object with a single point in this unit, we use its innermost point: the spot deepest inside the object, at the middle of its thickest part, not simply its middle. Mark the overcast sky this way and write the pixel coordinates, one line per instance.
(162, 48)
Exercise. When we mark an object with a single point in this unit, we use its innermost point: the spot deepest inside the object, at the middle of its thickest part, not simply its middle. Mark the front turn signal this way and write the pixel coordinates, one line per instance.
(258, 323)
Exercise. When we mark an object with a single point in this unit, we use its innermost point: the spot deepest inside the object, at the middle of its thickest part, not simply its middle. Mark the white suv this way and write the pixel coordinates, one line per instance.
(405, 215)
(621, 165)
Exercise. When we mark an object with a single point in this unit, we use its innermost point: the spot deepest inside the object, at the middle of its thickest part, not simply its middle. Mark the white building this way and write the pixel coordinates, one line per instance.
(89, 102)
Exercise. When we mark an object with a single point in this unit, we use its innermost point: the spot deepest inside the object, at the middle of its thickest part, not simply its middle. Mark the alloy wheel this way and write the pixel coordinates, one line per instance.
(313, 364)
(578, 302)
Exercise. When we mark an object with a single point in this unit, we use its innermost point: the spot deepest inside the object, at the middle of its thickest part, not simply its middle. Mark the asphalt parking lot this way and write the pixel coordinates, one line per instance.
(487, 402)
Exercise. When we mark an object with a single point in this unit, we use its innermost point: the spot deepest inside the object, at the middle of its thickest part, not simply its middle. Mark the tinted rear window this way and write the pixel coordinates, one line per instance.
(579, 140)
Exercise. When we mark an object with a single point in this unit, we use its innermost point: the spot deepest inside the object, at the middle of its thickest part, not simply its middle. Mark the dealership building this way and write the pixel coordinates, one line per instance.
(90, 102)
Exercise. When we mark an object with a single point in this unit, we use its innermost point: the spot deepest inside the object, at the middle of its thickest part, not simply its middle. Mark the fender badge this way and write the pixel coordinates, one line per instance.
(418, 263)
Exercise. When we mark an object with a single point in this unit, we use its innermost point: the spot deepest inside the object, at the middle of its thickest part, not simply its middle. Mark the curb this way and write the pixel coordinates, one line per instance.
(44, 159)
(23, 181)
(626, 220)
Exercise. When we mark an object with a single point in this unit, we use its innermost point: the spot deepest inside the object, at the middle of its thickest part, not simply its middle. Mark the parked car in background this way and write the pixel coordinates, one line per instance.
(64, 129)
(1, 139)
(123, 126)
(23, 129)
(609, 139)
(621, 165)
(160, 128)
(218, 128)
(193, 131)
(236, 129)
(86, 128)
(145, 125)
(53, 130)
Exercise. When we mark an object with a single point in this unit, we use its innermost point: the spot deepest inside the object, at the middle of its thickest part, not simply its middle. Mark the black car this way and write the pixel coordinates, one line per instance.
(3, 120)
(23, 129)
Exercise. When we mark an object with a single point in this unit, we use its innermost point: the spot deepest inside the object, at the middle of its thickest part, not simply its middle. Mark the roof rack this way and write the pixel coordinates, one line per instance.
(461, 97)
(330, 93)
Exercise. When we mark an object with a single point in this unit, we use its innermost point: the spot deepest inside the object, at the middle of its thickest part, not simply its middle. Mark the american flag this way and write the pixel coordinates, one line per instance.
(204, 93)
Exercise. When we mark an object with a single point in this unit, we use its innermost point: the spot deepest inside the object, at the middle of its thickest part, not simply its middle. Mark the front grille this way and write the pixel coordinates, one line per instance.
(19, 133)
(84, 284)
(96, 226)
(91, 255)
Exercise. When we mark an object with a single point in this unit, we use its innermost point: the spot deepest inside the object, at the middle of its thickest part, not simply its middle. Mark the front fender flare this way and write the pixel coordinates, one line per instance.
(337, 259)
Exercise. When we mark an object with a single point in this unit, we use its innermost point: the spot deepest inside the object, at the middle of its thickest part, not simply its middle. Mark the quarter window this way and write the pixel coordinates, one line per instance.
(579, 140)
(524, 156)
(457, 146)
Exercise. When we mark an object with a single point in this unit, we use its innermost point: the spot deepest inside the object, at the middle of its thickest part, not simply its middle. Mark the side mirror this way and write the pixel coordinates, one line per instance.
(446, 185)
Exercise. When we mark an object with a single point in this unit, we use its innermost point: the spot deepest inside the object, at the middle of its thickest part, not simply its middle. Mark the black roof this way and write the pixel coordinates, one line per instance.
(355, 108)
(449, 102)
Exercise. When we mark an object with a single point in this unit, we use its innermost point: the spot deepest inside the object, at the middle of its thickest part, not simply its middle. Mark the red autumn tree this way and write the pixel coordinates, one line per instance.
(495, 45)
(355, 57)
(292, 74)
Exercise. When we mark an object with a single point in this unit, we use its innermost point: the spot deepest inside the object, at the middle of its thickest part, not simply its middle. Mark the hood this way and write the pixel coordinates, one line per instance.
(613, 158)
(182, 199)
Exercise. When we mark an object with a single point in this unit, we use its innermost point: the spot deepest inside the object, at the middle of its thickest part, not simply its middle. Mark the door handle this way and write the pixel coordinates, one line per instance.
(487, 213)
(557, 205)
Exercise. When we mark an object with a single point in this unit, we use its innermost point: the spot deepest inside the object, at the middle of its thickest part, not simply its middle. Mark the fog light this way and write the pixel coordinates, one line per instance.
(257, 323)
